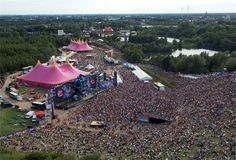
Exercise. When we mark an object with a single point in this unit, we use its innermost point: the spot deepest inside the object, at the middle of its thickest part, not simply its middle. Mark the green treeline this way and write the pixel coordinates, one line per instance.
(23, 49)
(146, 44)
(220, 37)
(197, 63)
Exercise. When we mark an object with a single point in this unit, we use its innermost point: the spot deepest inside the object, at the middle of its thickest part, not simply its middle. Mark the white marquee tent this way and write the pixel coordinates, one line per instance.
(142, 76)
(89, 67)
(119, 80)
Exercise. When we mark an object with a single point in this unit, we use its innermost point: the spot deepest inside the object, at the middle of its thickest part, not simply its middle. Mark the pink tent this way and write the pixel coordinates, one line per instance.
(79, 46)
(108, 29)
(50, 76)
(70, 70)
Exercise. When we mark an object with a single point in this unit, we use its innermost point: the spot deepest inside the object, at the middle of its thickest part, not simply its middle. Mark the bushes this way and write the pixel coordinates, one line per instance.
(35, 156)
(48, 156)
(94, 156)
(7, 154)
(230, 64)
(132, 53)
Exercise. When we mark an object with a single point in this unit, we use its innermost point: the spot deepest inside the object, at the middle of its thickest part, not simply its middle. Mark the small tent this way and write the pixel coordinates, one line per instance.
(89, 67)
(119, 80)
(79, 46)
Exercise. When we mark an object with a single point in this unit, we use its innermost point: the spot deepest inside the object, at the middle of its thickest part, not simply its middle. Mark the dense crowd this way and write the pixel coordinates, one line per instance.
(95, 58)
(201, 111)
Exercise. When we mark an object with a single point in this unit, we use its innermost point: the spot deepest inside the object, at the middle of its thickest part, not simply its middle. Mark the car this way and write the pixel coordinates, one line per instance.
(29, 114)
(99, 124)
(6, 104)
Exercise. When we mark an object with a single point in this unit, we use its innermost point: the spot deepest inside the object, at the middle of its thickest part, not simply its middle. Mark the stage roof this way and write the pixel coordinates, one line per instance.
(52, 75)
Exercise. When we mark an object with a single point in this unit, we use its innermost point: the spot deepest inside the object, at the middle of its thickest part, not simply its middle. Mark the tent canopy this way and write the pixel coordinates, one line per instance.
(89, 67)
(52, 75)
(108, 29)
(141, 75)
(79, 46)
(119, 80)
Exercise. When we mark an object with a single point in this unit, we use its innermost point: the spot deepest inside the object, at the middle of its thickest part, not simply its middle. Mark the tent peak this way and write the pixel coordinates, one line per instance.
(53, 62)
(38, 62)
(67, 61)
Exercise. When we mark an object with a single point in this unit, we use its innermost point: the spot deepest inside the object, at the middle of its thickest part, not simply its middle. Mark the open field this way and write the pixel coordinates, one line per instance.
(12, 120)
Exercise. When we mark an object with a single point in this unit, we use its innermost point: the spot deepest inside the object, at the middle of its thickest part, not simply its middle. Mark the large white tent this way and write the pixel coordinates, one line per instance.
(142, 76)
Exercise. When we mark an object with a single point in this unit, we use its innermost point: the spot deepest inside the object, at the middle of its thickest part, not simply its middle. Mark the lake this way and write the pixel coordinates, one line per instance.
(189, 52)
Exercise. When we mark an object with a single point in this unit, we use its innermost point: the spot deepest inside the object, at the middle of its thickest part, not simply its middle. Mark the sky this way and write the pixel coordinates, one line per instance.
(13, 7)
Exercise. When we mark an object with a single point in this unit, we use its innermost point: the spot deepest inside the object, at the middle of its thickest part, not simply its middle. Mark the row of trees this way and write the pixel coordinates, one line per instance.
(133, 53)
(219, 37)
(197, 63)
(152, 44)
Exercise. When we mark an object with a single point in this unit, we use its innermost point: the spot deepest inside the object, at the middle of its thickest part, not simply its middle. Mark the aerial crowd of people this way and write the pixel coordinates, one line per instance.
(201, 112)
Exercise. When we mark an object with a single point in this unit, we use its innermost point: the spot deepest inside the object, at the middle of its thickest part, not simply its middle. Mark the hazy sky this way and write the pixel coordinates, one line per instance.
(114, 6)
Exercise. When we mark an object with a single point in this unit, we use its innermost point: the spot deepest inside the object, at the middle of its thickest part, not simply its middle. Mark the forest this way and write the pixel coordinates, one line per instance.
(24, 40)
(19, 50)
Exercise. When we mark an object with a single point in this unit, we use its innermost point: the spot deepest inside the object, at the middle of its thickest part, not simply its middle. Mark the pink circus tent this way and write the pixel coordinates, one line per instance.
(50, 76)
(108, 29)
(79, 46)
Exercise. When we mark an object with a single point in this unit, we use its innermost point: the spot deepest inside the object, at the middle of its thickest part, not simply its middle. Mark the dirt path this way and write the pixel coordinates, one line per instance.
(7, 82)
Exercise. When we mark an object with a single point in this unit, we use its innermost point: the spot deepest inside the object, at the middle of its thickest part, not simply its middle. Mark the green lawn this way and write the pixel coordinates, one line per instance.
(10, 119)
(159, 76)
(6, 154)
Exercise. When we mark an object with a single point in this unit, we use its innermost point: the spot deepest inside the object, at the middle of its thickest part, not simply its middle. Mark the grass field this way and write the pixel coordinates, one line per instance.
(159, 76)
(10, 119)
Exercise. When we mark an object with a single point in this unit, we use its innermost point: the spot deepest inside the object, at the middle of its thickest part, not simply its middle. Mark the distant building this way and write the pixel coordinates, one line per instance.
(133, 33)
(124, 32)
(61, 33)
(124, 35)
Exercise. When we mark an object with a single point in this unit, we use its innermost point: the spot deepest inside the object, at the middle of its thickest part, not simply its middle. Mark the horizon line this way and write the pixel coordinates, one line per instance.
(41, 14)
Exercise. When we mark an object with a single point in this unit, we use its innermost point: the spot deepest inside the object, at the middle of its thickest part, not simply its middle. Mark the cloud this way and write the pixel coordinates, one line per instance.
(113, 6)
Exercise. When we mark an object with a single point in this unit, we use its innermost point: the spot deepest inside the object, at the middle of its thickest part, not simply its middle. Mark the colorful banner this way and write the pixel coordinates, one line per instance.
(65, 91)
(106, 84)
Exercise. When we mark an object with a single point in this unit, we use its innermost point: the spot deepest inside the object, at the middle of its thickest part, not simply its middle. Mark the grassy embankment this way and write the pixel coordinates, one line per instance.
(159, 75)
